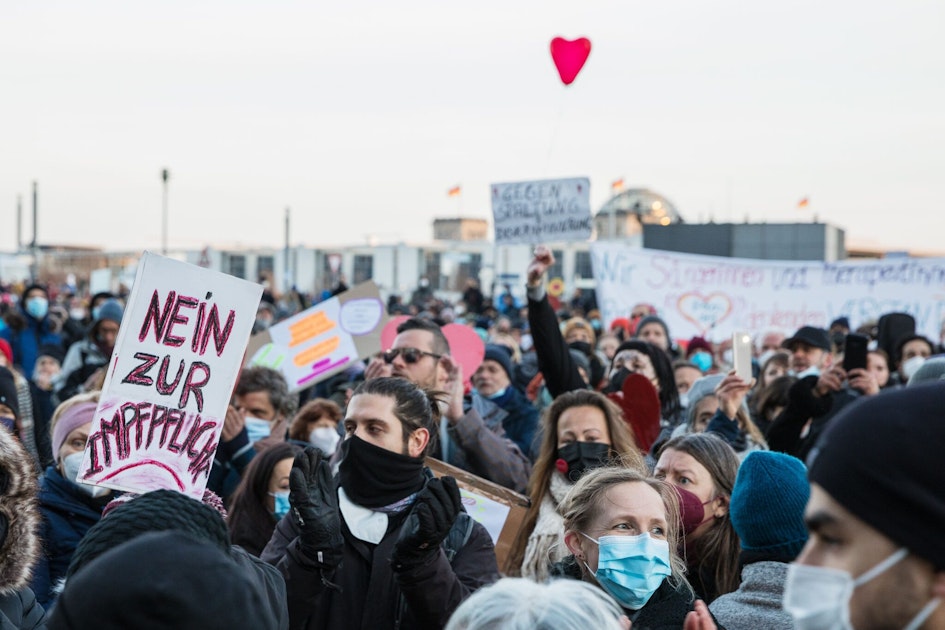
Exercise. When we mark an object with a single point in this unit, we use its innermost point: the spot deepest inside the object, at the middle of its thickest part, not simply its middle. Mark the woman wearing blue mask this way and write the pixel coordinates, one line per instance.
(622, 529)
(262, 498)
(581, 430)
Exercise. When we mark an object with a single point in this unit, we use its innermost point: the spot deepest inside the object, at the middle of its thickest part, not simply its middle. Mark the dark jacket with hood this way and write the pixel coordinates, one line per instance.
(19, 539)
(26, 335)
(68, 513)
(367, 591)
(786, 432)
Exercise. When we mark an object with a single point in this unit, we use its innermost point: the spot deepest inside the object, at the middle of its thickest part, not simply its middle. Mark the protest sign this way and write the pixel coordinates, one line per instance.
(713, 296)
(170, 377)
(545, 211)
(500, 510)
(324, 339)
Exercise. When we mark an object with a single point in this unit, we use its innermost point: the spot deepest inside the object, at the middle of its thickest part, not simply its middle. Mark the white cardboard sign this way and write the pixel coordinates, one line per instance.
(170, 378)
(544, 211)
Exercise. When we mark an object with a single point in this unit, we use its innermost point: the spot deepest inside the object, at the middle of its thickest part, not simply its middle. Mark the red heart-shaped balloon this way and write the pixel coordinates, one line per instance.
(569, 56)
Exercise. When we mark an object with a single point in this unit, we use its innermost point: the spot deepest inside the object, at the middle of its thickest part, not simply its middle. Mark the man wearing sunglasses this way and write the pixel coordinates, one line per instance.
(421, 354)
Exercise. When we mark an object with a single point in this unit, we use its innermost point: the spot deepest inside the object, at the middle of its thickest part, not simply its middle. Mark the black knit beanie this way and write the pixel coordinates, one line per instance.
(881, 459)
(159, 510)
(162, 581)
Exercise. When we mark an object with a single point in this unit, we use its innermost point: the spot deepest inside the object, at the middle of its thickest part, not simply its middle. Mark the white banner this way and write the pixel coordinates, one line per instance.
(170, 377)
(714, 296)
(546, 211)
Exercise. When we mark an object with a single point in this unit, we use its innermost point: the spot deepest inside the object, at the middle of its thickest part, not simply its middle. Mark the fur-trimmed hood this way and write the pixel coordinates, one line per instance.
(20, 545)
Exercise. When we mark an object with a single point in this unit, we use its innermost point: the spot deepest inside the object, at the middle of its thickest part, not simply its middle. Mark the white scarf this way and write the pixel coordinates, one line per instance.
(546, 542)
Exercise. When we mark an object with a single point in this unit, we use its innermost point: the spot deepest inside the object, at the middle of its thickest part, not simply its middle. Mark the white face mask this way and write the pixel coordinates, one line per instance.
(818, 598)
(324, 439)
(911, 366)
(70, 470)
(684, 400)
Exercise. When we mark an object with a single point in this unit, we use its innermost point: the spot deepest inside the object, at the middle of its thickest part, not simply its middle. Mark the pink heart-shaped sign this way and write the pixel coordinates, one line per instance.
(705, 311)
(569, 56)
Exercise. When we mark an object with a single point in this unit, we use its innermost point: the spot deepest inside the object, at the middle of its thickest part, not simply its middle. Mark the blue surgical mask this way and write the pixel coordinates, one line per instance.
(702, 360)
(631, 568)
(281, 502)
(37, 307)
(257, 429)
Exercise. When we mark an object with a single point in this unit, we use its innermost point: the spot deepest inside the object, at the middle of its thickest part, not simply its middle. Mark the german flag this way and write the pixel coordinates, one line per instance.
(454, 191)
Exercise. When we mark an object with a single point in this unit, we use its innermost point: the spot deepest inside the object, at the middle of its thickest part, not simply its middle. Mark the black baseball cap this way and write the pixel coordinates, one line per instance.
(812, 336)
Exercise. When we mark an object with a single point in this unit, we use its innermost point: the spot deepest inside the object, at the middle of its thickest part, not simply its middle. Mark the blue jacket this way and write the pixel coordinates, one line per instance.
(27, 342)
(68, 513)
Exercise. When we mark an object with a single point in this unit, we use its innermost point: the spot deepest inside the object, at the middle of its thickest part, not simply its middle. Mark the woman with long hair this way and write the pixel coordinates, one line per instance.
(705, 465)
(262, 498)
(622, 529)
(580, 430)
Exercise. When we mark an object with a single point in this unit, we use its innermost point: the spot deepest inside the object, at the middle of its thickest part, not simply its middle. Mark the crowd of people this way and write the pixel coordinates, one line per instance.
(663, 489)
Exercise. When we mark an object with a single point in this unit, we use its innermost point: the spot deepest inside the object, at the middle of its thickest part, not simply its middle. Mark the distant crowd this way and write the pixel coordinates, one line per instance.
(664, 489)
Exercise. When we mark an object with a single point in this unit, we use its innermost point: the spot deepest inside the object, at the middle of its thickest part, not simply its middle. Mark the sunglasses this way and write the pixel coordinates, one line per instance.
(410, 355)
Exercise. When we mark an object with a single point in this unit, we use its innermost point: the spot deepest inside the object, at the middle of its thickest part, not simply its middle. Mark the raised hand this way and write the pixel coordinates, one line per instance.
(315, 508)
(432, 515)
(543, 259)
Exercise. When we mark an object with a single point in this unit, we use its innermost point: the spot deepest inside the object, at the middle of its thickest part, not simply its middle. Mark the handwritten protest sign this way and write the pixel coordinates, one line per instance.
(551, 210)
(169, 381)
(324, 339)
(498, 509)
(713, 296)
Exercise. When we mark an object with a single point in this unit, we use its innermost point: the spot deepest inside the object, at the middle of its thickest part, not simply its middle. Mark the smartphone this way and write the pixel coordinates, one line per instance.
(854, 351)
(741, 354)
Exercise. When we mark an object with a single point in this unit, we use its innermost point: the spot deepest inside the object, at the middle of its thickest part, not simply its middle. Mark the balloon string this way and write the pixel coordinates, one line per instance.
(554, 130)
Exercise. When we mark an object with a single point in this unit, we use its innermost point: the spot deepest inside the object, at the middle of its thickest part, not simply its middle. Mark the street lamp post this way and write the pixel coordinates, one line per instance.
(164, 177)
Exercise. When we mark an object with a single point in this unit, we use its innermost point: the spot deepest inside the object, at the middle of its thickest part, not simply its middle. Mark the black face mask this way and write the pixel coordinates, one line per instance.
(581, 346)
(576, 458)
(374, 477)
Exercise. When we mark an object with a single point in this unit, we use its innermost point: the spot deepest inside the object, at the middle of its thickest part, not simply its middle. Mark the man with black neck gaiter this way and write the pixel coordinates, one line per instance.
(383, 544)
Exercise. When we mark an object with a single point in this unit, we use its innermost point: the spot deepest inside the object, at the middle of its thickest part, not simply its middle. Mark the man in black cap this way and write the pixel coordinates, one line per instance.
(876, 555)
(823, 388)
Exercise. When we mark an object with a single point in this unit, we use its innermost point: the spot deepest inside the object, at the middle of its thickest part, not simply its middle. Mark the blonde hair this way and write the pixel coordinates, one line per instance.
(579, 322)
(623, 447)
(582, 505)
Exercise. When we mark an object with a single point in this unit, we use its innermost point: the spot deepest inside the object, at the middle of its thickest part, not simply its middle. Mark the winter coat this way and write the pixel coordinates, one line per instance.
(19, 543)
(27, 342)
(67, 513)
(758, 601)
(82, 360)
(785, 433)
(665, 610)
(367, 591)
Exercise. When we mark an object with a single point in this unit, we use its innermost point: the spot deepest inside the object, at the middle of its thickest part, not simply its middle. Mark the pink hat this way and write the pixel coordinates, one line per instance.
(78, 415)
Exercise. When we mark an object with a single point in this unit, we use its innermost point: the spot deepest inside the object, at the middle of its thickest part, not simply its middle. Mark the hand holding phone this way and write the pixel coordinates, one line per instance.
(741, 354)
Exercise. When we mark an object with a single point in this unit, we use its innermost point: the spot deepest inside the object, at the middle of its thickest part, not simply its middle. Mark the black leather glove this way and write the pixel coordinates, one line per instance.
(430, 519)
(315, 508)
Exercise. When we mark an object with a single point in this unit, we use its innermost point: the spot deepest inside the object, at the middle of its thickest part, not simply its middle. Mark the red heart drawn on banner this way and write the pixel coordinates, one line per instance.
(569, 56)
(705, 311)
(465, 345)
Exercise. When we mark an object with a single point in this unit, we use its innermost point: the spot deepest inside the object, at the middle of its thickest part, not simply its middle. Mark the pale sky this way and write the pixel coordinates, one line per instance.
(361, 115)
